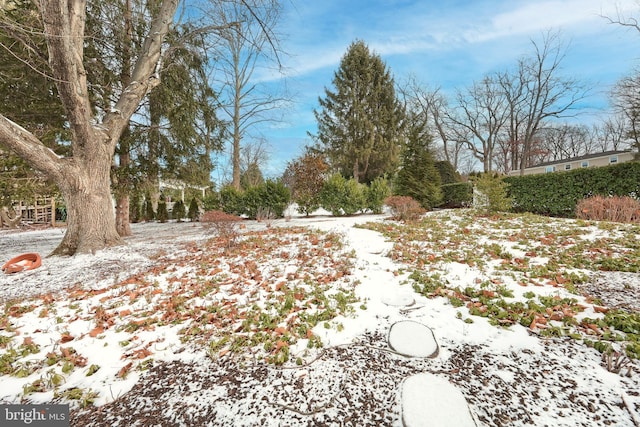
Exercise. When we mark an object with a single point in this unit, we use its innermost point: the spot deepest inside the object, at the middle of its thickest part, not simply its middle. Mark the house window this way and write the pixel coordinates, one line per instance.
(550, 169)
(613, 159)
(585, 164)
(567, 167)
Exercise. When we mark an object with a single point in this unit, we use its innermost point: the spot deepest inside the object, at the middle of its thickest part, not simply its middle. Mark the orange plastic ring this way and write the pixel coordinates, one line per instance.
(23, 262)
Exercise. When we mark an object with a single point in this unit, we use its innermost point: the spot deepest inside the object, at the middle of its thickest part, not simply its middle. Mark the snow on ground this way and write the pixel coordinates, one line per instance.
(172, 330)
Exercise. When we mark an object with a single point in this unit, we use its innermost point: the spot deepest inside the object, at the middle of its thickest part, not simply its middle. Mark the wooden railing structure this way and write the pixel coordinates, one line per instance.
(41, 211)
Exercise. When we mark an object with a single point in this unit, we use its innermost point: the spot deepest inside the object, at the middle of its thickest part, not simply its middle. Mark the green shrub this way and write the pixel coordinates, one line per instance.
(270, 196)
(231, 200)
(376, 193)
(179, 211)
(211, 202)
(404, 208)
(448, 174)
(491, 194)
(457, 195)
(194, 210)
(149, 213)
(558, 193)
(162, 215)
(341, 196)
(135, 208)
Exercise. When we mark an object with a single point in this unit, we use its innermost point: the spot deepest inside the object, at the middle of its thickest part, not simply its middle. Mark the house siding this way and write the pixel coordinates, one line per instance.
(577, 163)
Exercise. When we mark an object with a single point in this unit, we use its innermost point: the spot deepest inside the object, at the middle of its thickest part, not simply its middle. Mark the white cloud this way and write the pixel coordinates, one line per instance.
(579, 16)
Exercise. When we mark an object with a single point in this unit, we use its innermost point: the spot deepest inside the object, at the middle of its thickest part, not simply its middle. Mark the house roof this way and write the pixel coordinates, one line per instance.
(578, 158)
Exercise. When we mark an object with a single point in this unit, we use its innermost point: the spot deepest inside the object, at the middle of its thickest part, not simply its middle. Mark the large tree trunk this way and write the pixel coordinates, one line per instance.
(91, 220)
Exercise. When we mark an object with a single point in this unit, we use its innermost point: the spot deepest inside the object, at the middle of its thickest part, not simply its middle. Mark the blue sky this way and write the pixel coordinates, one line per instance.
(443, 43)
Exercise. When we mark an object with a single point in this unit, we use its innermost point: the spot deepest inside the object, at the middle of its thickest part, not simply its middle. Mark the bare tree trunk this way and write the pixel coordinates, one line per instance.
(235, 183)
(123, 226)
(122, 188)
(90, 219)
(122, 203)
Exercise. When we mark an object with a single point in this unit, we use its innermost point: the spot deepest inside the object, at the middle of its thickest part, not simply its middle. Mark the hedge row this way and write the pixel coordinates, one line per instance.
(457, 195)
(268, 200)
(558, 193)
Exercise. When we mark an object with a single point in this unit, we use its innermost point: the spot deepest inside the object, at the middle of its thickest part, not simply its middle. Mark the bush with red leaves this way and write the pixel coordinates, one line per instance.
(224, 225)
(404, 208)
(615, 208)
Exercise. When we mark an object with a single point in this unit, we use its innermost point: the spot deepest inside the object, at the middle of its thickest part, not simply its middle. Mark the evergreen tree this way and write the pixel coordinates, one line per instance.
(179, 211)
(376, 193)
(162, 214)
(418, 176)
(30, 99)
(360, 123)
(149, 213)
(251, 177)
(135, 213)
(448, 174)
(194, 210)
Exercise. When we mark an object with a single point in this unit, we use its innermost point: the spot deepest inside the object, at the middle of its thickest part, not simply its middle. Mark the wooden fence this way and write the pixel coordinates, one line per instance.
(41, 211)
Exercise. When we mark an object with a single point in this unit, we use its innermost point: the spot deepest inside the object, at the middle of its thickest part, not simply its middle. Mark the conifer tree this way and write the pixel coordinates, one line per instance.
(162, 214)
(194, 210)
(149, 213)
(418, 176)
(360, 123)
(179, 211)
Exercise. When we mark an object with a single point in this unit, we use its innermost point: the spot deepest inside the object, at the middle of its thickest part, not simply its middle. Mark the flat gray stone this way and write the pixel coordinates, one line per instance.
(398, 300)
(412, 339)
(429, 400)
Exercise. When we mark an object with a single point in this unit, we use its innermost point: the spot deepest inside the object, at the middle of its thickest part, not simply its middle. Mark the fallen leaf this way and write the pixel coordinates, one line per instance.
(96, 331)
(66, 338)
(125, 370)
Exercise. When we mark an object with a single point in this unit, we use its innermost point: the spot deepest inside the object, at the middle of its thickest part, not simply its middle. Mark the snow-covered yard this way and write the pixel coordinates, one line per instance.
(297, 323)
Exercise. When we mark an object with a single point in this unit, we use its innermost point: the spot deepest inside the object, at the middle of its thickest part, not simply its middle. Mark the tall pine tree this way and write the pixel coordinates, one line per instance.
(360, 123)
(418, 176)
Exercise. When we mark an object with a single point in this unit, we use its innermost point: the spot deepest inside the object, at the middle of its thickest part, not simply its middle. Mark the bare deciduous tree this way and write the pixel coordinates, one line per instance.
(536, 93)
(626, 102)
(478, 118)
(246, 37)
(435, 106)
(612, 134)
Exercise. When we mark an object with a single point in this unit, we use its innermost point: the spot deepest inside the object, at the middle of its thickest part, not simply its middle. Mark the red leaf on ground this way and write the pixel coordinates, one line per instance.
(125, 370)
(66, 338)
(96, 331)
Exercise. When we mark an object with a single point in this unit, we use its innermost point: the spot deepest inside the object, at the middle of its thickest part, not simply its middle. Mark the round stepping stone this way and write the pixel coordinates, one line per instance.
(398, 300)
(429, 400)
(412, 339)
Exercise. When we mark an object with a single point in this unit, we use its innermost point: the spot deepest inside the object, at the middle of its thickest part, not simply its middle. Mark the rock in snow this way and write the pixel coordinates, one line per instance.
(412, 339)
(428, 400)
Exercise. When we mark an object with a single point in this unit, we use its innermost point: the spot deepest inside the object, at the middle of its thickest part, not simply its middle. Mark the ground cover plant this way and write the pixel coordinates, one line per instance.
(287, 323)
(515, 260)
(257, 299)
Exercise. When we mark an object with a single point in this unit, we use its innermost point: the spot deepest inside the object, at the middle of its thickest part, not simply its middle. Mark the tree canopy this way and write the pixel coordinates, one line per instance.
(360, 122)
